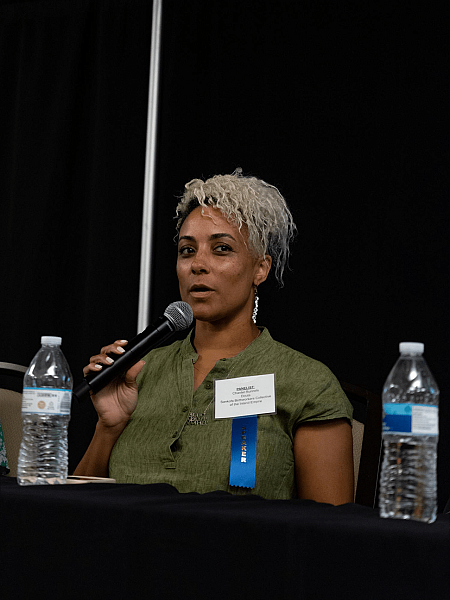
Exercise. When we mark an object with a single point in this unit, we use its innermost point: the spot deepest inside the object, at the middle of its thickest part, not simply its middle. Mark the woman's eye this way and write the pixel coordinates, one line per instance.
(222, 248)
(185, 250)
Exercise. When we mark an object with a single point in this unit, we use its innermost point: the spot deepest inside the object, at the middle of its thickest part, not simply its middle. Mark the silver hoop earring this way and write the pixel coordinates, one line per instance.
(255, 307)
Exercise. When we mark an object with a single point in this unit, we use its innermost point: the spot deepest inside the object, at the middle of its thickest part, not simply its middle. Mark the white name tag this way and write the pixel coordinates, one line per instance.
(243, 396)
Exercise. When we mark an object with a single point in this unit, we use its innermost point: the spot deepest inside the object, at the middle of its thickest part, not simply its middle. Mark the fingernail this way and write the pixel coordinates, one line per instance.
(109, 359)
(120, 349)
(124, 341)
(97, 366)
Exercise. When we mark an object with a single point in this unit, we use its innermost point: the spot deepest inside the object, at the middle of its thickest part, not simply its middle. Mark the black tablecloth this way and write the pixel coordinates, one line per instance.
(132, 541)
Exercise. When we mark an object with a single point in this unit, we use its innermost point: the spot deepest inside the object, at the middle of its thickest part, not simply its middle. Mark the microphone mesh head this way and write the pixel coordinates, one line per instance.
(179, 314)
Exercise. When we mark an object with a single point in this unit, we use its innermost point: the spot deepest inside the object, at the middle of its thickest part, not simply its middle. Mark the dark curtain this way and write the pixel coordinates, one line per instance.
(74, 91)
(342, 105)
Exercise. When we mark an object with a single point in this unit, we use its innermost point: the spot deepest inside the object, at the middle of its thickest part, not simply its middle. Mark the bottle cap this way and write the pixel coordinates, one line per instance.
(411, 348)
(51, 339)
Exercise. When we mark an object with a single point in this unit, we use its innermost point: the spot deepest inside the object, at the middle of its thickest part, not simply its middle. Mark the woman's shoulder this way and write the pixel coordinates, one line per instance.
(307, 388)
(291, 358)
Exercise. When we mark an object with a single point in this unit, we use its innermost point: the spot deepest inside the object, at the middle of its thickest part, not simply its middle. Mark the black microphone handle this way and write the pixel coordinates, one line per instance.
(136, 349)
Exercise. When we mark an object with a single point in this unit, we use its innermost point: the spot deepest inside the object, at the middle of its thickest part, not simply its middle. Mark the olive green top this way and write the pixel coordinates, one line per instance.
(158, 446)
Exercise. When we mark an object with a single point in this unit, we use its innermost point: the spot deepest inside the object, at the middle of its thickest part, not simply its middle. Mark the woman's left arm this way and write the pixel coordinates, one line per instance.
(323, 452)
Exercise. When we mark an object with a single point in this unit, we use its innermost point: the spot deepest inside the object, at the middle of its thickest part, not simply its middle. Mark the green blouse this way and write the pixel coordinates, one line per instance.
(158, 444)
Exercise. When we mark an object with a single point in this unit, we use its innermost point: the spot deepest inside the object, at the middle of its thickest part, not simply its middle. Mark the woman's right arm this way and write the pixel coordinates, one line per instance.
(114, 405)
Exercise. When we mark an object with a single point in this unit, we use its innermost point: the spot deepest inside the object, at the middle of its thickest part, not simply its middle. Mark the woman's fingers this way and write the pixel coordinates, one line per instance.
(116, 348)
(97, 361)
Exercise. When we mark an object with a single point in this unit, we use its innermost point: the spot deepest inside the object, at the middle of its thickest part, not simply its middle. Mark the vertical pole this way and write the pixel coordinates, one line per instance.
(150, 171)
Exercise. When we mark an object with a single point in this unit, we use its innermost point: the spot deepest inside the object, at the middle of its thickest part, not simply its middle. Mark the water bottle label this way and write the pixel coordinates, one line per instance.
(415, 419)
(46, 401)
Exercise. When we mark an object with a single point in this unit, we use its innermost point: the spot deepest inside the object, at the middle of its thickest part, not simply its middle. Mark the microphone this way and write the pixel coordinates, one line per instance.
(177, 316)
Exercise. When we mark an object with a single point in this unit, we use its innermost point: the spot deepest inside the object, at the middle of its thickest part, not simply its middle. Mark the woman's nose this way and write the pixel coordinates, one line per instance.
(200, 263)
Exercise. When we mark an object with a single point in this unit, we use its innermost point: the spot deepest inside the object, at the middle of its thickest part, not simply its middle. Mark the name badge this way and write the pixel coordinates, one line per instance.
(244, 396)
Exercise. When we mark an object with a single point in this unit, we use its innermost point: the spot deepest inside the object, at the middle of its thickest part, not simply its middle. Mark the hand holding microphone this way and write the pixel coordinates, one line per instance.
(117, 359)
(117, 400)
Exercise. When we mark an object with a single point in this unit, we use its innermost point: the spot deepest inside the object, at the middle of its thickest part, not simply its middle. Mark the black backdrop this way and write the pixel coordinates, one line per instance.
(343, 106)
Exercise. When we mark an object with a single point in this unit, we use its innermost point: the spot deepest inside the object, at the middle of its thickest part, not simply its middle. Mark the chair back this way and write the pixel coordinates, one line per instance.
(11, 384)
(366, 430)
(358, 437)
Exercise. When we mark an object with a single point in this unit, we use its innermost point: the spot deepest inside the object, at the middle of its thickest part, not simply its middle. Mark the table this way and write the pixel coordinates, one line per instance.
(148, 541)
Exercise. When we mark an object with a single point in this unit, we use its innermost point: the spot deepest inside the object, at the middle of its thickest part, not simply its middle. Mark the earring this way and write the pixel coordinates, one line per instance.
(255, 307)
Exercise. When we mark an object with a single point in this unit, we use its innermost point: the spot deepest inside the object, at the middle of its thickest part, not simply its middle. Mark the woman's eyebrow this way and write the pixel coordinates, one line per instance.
(214, 236)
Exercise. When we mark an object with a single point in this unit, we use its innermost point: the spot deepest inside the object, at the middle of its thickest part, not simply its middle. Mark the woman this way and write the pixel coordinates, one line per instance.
(231, 231)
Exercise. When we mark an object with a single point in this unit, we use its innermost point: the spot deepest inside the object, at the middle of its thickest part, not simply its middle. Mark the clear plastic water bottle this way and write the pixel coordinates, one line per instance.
(46, 404)
(408, 483)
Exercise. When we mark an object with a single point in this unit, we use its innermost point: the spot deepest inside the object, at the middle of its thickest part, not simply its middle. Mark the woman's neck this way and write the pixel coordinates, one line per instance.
(223, 341)
(213, 342)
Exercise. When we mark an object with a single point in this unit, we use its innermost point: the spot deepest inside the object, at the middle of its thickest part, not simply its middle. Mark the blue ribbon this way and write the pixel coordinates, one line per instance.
(243, 451)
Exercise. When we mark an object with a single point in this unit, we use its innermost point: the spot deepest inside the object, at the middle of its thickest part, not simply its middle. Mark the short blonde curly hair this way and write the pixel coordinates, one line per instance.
(249, 201)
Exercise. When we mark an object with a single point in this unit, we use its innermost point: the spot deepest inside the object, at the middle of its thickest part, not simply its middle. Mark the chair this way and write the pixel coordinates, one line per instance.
(366, 442)
(11, 384)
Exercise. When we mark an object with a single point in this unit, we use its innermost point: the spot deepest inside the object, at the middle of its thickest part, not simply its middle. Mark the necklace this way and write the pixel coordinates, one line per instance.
(195, 418)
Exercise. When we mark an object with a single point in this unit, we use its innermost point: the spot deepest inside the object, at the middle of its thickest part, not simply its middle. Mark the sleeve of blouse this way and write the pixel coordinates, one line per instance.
(325, 399)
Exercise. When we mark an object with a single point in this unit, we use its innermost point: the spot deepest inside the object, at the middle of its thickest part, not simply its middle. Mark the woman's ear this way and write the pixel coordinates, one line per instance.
(263, 266)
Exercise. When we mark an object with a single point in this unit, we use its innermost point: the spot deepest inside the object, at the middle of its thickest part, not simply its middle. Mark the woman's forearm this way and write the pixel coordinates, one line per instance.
(95, 461)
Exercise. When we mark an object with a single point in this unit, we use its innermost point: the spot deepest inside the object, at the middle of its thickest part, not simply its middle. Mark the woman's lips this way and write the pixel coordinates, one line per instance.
(200, 292)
